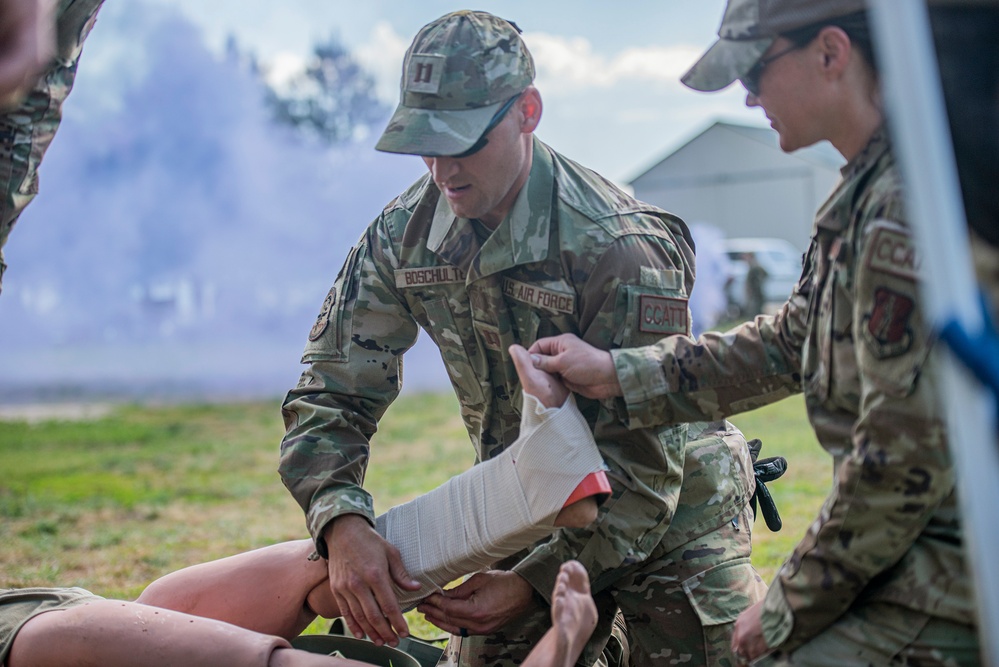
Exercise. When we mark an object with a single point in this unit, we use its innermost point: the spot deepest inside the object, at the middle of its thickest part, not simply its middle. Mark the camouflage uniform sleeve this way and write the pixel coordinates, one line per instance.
(897, 473)
(646, 465)
(355, 366)
(27, 130)
(680, 380)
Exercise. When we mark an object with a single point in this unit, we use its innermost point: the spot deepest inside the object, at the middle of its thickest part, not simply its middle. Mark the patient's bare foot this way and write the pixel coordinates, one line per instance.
(574, 614)
(547, 388)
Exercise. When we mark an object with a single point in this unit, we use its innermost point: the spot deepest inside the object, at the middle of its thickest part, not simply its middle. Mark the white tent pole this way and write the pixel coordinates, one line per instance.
(911, 83)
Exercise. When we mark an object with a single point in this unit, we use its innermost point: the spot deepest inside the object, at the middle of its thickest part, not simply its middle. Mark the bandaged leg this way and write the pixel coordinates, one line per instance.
(499, 506)
(483, 515)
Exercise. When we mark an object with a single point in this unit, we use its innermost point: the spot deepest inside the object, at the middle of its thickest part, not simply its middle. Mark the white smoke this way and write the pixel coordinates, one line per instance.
(181, 239)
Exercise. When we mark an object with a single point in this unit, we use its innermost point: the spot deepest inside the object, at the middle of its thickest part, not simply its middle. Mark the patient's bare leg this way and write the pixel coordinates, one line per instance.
(264, 590)
(110, 633)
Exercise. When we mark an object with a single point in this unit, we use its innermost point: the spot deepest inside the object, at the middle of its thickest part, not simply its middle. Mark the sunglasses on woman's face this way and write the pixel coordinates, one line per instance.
(751, 79)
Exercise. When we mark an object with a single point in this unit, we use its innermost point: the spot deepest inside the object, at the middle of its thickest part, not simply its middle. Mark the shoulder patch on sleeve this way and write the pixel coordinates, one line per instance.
(892, 250)
(323, 320)
(662, 315)
(887, 329)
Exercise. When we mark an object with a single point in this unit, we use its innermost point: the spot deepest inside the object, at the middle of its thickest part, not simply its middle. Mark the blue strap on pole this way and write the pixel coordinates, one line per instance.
(979, 352)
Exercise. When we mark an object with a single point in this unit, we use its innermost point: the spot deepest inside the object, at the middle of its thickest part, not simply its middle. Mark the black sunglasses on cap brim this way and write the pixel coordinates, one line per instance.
(493, 122)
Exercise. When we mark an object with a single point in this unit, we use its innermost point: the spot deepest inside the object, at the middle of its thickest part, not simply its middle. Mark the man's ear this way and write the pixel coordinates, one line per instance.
(530, 109)
(835, 47)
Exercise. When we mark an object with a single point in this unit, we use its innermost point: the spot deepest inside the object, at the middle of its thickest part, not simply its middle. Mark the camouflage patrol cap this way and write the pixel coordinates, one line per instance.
(457, 73)
(748, 29)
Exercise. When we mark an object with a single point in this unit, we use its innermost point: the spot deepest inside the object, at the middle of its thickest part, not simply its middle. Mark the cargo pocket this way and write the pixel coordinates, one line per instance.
(718, 595)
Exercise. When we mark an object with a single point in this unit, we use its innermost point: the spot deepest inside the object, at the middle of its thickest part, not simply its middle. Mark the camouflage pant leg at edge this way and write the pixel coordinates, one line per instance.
(680, 608)
(880, 633)
(27, 130)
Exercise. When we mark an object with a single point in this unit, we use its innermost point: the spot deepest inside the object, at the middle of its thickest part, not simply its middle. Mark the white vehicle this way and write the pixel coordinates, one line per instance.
(779, 258)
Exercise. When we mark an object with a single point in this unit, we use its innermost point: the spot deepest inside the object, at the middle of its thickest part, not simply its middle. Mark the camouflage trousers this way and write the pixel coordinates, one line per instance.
(881, 633)
(677, 607)
(27, 130)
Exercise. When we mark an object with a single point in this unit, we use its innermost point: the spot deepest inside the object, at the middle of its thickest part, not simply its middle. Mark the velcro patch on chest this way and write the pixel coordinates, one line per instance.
(425, 276)
(490, 335)
(894, 253)
(888, 328)
(532, 295)
(662, 314)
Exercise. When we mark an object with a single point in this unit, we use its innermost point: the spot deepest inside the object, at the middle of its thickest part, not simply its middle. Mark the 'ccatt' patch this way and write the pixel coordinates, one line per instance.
(323, 320)
(662, 315)
(888, 328)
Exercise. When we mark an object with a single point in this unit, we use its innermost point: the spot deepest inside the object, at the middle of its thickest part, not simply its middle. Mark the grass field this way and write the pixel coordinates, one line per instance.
(111, 502)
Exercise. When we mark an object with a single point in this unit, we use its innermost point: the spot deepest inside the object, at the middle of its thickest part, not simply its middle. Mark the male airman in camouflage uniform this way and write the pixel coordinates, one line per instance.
(27, 127)
(505, 241)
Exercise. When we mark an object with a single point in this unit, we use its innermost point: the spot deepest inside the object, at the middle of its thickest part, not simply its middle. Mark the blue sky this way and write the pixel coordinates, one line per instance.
(608, 72)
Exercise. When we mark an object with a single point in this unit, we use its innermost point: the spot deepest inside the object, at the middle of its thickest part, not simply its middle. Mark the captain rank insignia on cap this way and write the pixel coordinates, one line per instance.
(424, 74)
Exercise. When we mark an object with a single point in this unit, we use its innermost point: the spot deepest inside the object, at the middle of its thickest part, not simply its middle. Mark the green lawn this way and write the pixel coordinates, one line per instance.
(113, 502)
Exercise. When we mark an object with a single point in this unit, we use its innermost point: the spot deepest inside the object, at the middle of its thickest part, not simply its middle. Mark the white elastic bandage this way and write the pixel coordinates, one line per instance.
(498, 507)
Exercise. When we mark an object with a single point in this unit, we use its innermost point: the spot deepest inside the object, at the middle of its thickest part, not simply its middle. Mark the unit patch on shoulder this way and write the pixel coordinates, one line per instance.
(888, 328)
(662, 315)
(323, 320)
(894, 253)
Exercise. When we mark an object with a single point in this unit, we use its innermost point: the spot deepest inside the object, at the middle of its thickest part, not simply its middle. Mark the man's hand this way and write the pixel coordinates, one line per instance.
(544, 386)
(748, 643)
(362, 566)
(27, 42)
(481, 605)
(583, 368)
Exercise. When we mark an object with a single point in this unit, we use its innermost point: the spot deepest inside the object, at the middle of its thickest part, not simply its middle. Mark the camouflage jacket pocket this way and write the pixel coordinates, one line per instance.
(720, 593)
(717, 482)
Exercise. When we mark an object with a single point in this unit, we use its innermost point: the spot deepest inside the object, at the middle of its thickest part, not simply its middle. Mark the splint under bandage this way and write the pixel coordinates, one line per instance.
(499, 506)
